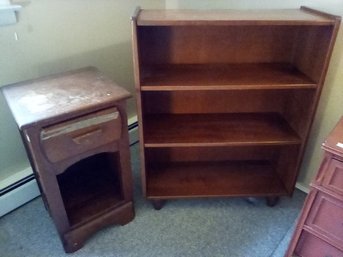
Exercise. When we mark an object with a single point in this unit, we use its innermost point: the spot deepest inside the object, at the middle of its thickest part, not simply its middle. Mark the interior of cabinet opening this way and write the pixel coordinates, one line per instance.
(198, 154)
(215, 101)
(91, 187)
(302, 47)
(291, 105)
(219, 171)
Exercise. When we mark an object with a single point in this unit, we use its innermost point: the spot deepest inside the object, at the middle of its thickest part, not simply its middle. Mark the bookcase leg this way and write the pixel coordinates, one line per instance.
(158, 204)
(272, 200)
(251, 200)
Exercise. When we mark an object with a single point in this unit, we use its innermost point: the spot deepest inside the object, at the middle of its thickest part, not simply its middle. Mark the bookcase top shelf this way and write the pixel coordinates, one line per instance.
(302, 16)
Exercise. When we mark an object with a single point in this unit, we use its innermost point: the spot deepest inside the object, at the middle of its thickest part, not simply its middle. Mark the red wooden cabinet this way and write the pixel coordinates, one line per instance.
(319, 231)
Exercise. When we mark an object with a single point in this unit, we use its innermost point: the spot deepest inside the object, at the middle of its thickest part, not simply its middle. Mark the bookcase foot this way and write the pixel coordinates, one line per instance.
(272, 200)
(158, 204)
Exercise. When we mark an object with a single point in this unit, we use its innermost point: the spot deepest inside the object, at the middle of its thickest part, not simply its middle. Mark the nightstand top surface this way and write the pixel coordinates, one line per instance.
(62, 95)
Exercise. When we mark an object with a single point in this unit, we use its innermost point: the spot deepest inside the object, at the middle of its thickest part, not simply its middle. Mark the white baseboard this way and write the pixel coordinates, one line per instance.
(132, 120)
(26, 192)
(302, 187)
(15, 178)
(133, 135)
(19, 196)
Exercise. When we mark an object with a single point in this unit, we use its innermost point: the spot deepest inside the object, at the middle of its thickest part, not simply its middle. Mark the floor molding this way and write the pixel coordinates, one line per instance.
(18, 196)
(302, 187)
(10, 182)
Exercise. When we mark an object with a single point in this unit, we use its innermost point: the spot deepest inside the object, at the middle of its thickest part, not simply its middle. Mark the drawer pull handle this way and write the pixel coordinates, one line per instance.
(69, 128)
(84, 138)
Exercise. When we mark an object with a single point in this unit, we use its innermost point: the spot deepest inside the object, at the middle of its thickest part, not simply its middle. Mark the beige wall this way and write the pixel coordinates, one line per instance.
(59, 35)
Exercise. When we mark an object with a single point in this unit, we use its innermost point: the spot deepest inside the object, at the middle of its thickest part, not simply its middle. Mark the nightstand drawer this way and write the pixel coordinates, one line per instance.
(67, 139)
(333, 179)
(326, 217)
(311, 246)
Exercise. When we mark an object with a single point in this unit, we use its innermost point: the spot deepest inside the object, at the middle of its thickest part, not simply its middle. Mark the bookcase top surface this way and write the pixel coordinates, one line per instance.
(302, 16)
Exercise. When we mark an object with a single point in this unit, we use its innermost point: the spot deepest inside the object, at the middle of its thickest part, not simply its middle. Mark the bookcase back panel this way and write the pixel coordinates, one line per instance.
(216, 44)
(214, 101)
(305, 47)
(198, 154)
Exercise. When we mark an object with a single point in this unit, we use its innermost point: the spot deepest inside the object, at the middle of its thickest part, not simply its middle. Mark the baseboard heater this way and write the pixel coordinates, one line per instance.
(16, 184)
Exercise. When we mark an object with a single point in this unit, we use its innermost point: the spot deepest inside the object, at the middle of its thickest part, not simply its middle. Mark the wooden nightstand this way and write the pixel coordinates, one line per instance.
(74, 127)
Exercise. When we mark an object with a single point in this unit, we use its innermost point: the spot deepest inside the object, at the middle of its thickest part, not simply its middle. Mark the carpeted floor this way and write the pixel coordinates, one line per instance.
(230, 227)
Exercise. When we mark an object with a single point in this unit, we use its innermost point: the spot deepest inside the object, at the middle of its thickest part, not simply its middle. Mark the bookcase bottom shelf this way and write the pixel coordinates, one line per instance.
(171, 180)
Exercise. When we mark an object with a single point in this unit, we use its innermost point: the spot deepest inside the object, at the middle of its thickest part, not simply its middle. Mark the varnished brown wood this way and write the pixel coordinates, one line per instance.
(217, 130)
(73, 137)
(212, 179)
(74, 128)
(216, 44)
(312, 60)
(208, 80)
(215, 153)
(75, 239)
(223, 76)
(47, 99)
(215, 101)
(136, 66)
(232, 17)
(319, 228)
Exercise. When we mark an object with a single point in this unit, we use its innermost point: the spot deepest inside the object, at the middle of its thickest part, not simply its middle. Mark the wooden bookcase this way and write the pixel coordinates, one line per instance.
(226, 98)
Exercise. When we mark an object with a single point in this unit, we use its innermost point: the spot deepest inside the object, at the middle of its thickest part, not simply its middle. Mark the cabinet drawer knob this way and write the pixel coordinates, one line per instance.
(85, 138)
